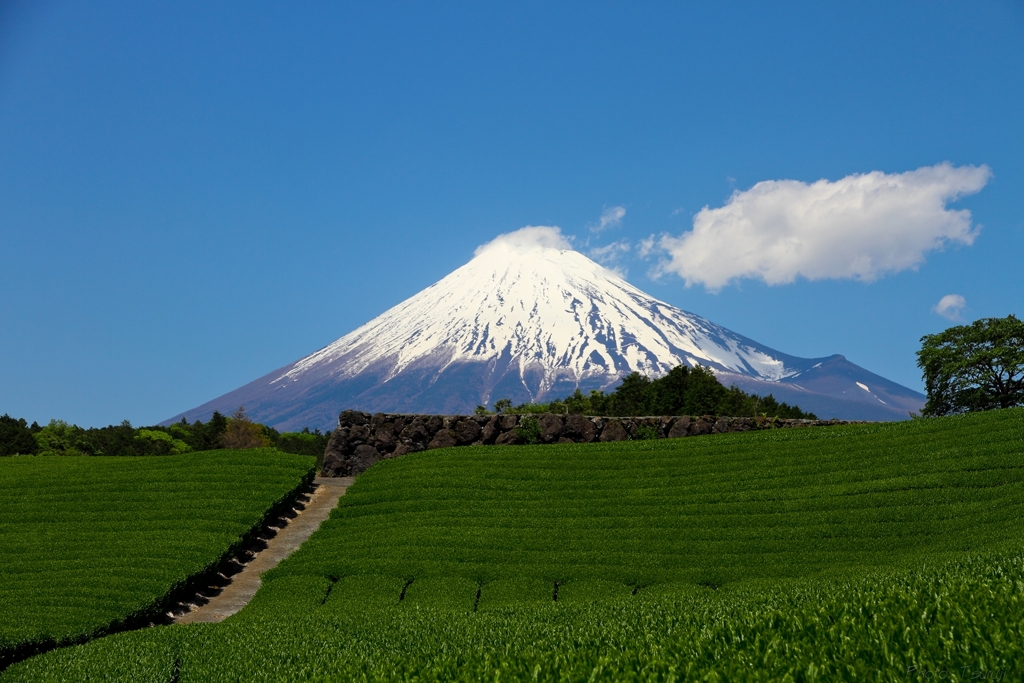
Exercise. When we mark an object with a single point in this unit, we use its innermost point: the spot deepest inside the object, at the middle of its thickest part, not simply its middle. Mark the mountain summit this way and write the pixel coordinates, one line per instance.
(528, 318)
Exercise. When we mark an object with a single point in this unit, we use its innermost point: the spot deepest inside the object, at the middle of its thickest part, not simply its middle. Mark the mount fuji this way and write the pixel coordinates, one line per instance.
(530, 319)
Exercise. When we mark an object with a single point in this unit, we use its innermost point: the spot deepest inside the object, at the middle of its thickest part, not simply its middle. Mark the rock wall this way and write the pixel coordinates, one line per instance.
(362, 439)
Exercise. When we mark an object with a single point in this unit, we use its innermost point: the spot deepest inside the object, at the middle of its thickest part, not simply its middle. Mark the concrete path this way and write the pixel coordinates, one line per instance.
(244, 584)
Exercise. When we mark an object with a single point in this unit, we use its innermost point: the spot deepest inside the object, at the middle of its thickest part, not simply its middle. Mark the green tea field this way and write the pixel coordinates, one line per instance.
(90, 542)
(867, 552)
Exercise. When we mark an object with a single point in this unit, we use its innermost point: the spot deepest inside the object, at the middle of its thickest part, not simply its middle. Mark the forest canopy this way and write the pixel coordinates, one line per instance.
(683, 391)
(58, 437)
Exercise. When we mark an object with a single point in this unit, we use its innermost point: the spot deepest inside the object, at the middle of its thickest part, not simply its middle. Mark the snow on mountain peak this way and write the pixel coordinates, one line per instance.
(531, 319)
(527, 302)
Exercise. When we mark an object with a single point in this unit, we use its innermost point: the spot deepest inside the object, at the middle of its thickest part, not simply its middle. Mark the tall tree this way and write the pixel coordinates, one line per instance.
(634, 395)
(242, 432)
(207, 436)
(16, 437)
(974, 367)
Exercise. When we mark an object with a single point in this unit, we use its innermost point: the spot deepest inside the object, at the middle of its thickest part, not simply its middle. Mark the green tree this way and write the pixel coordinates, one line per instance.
(682, 391)
(704, 393)
(208, 436)
(974, 367)
(634, 396)
(16, 437)
(501, 405)
(303, 443)
(59, 438)
(161, 443)
(111, 440)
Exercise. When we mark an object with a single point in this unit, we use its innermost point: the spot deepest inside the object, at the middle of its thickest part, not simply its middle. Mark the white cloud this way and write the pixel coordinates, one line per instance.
(860, 227)
(610, 252)
(527, 239)
(951, 306)
(646, 247)
(610, 218)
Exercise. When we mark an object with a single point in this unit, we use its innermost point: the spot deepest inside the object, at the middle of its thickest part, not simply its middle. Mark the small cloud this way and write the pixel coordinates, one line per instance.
(861, 227)
(609, 253)
(529, 238)
(951, 306)
(610, 218)
(646, 246)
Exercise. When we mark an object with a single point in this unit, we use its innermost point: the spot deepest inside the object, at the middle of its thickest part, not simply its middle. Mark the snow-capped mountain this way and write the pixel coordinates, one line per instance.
(528, 318)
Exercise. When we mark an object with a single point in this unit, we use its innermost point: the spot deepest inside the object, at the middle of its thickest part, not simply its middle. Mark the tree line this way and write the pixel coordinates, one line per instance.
(683, 391)
(17, 437)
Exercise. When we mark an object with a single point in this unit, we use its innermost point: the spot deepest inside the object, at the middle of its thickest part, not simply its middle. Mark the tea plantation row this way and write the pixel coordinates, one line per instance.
(875, 552)
(959, 619)
(89, 542)
(712, 509)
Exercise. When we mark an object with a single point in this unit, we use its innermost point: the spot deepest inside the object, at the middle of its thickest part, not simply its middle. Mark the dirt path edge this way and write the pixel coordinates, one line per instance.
(241, 589)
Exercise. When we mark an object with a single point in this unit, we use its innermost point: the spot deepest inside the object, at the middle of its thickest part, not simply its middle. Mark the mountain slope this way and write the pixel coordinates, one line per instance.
(530, 319)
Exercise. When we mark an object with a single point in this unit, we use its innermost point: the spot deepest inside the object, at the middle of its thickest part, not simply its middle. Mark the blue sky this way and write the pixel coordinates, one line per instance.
(195, 194)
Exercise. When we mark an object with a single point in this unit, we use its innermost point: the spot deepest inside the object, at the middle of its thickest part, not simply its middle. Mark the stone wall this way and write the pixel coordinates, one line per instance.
(362, 439)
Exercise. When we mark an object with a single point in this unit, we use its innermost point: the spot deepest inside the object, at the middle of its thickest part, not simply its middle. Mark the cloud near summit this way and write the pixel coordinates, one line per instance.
(860, 227)
(530, 237)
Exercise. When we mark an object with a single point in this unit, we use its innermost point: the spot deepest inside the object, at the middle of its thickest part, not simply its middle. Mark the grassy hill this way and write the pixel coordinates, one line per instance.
(89, 542)
(731, 507)
(862, 552)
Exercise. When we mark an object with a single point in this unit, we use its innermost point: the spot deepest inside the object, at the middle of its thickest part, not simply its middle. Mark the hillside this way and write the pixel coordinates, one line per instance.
(726, 508)
(845, 553)
(90, 543)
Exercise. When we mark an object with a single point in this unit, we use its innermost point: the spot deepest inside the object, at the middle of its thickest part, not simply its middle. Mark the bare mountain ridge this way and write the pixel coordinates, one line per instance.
(528, 319)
